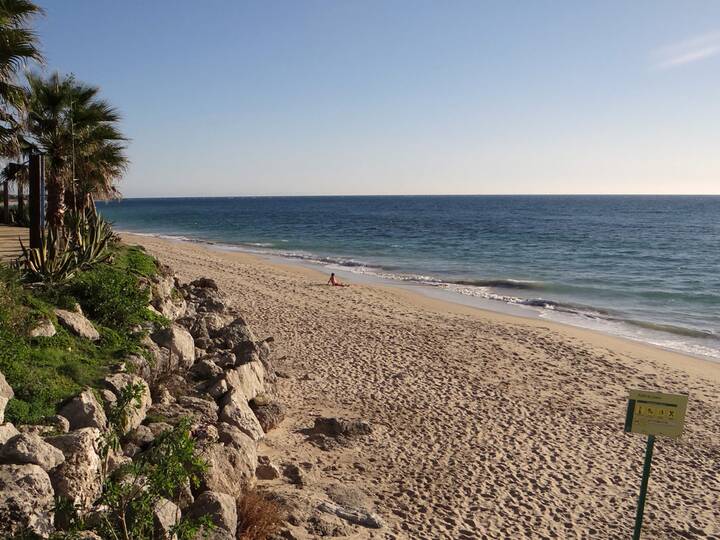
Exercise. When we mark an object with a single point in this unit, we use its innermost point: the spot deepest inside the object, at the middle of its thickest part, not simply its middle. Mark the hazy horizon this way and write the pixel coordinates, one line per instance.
(355, 98)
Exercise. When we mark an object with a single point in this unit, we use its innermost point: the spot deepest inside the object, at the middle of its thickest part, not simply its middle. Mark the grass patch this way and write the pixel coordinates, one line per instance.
(44, 372)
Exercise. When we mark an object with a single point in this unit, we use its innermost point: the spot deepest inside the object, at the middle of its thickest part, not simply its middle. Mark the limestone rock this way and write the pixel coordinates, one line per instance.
(219, 507)
(78, 478)
(269, 414)
(170, 308)
(166, 515)
(26, 500)
(7, 432)
(77, 324)
(249, 378)
(84, 410)
(198, 409)
(236, 411)
(119, 381)
(335, 427)
(142, 436)
(6, 394)
(59, 423)
(180, 344)
(205, 369)
(266, 469)
(230, 468)
(43, 328)
(27, 448)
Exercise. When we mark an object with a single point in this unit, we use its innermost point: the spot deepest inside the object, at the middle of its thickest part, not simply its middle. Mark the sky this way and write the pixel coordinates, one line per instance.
(343, 97)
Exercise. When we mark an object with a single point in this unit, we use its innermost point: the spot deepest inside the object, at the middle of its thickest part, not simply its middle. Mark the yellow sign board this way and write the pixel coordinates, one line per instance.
(655, 413)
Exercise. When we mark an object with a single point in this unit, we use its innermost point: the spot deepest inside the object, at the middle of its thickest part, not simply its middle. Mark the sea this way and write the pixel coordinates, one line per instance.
(645, 268)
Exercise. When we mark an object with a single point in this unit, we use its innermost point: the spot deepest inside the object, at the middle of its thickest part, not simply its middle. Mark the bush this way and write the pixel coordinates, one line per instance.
(258, 516)
(111, 297)
(133, 259)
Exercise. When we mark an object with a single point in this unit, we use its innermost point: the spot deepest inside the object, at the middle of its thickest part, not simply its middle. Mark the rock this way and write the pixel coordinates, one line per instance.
(237, 337)
(180, 344)
(6, 394)
(59, 423)
(166, 515)
(205, 369)
(249, 378)
(320, 527)
(219, 507)
(7, 432)
(294, 474)
(137, 410)
(230, 468)
(163, 396)
(197, 409)
(170, 308)
(78, 478)
(27, 448)
(139, 365)
(108, 398)
(204, 283)
(335, 427)
(77, 324)
(159, 427)
(268, 414)
(84, 410)
(225, 359)
(40, 430)
(356, 516)
(116, 460)
(236, 411)
(43, 328)
(26, 501)
(142, 436)
(219, 388)
(266, 469)
(205, 434)
(87, 535)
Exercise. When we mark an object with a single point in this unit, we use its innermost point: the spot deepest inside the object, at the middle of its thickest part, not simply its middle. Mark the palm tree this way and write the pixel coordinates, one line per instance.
(78, 133)
(18, 46)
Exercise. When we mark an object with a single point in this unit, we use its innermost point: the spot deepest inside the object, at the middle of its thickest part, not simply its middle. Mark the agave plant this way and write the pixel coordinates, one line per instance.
(90, 237)
(50, 263)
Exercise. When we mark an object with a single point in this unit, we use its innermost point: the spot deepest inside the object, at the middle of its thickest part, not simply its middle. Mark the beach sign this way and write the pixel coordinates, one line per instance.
(651, 414)
(655, 413)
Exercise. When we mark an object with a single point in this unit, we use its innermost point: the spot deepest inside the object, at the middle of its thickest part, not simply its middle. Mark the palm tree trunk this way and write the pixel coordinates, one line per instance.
(55, 211)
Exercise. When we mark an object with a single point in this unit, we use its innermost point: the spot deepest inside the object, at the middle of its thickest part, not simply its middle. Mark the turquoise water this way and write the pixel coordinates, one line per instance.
(644, 267)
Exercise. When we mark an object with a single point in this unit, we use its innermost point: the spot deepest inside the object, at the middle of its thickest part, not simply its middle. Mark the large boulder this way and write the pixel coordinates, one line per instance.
(29, 448)
(230, 468)
(7, 432)
(170, 308)
(268, 413)
(237, 337)
(26, 501)
(78, 478)
(180, 344)
(219, 507)
(84, 410)
(78, 324)
(6, 394)
(249, 378)
(197, 409)
(236, 412)
(117, 383)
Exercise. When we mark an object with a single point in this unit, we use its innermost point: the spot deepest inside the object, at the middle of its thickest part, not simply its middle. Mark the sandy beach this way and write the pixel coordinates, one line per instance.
(485, 425)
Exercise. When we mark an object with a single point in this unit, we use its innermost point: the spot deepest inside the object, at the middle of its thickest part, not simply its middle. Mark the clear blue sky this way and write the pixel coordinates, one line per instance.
(392, 97)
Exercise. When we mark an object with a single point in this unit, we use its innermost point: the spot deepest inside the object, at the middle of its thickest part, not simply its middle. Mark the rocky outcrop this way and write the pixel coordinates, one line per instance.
(28, 448)
(79, 478)
(26, 501)
(78, 324)
(205, 366)
(84, 410)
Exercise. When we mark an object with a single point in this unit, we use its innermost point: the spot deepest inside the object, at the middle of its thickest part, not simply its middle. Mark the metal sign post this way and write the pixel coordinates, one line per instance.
(653, 413)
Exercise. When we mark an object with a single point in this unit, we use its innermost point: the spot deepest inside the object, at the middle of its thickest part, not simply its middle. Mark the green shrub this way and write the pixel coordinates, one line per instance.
(133, 259)
(111, 297)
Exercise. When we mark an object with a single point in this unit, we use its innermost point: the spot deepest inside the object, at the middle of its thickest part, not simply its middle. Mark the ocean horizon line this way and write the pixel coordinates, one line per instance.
(558, 195)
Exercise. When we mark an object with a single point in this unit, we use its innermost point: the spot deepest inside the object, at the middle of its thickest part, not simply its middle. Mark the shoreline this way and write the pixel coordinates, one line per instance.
(484, 425)
(451, 302)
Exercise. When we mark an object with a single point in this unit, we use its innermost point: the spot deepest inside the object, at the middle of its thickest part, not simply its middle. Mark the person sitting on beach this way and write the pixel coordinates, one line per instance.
(334, 282)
